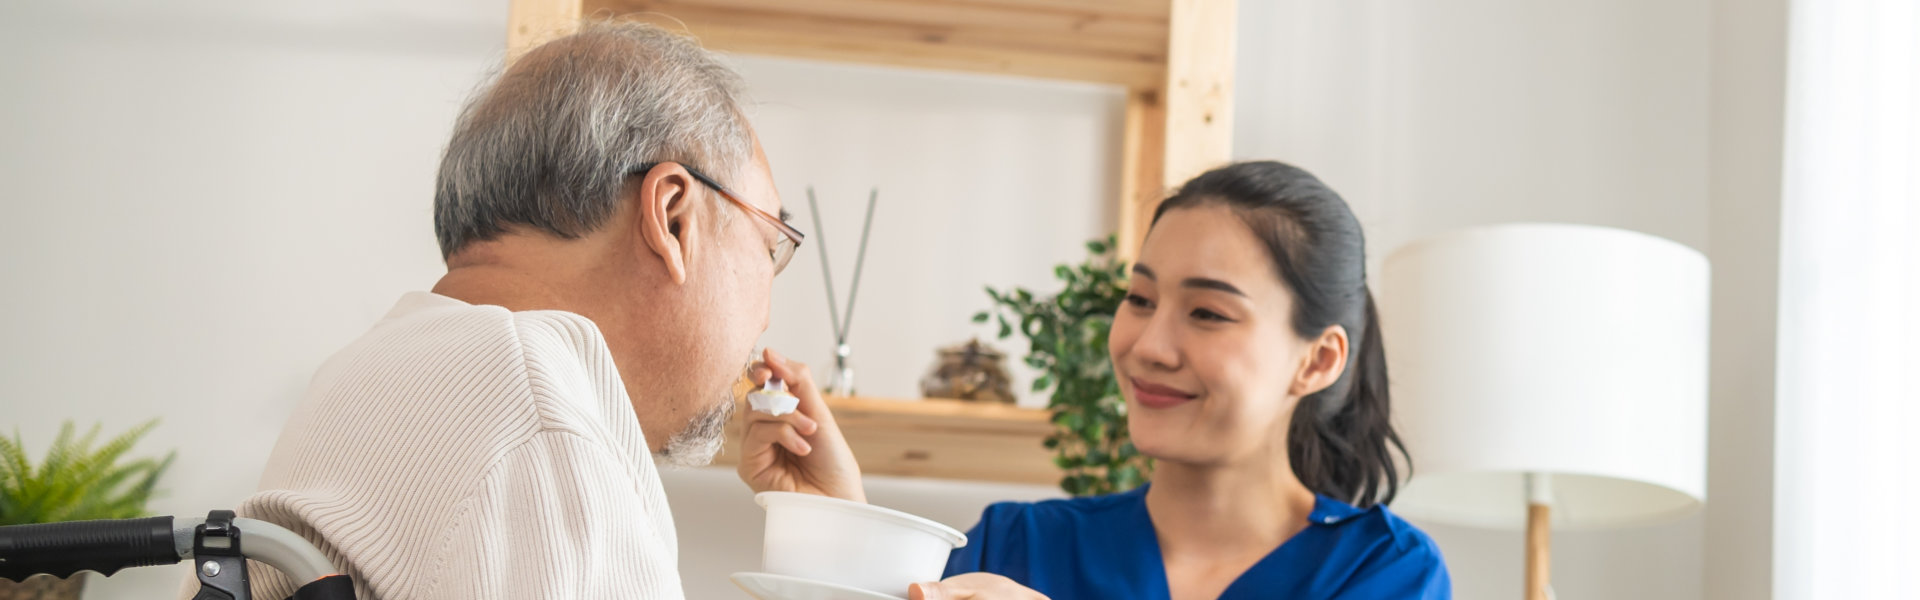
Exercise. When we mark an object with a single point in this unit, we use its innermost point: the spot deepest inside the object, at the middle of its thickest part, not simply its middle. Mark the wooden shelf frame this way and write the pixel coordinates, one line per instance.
(1174, 58)
(937, 438)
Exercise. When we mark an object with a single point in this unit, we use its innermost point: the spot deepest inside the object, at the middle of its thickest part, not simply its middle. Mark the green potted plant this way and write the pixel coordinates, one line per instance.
(75, 482)
(1067, 341)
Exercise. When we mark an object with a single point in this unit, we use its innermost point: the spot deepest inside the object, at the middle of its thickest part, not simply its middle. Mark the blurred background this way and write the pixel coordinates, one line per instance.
(206, 198)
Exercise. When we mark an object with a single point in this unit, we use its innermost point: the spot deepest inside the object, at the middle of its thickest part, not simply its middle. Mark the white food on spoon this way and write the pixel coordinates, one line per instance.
(773, 398)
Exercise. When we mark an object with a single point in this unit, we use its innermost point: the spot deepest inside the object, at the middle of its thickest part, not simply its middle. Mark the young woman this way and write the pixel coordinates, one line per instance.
(1249, 355)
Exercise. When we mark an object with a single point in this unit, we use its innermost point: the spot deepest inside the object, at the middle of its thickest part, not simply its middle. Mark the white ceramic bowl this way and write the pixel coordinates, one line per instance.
(853, 544)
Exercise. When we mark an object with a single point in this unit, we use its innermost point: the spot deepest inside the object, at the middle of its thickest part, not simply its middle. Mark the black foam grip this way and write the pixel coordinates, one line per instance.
(62, 549)
(331, 587)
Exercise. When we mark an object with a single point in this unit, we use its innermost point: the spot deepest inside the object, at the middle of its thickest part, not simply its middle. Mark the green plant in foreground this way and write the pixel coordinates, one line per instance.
(77, 482)
(1067, 336)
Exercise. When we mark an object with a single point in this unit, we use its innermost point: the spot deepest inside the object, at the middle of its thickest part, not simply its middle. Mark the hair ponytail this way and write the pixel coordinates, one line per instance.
(1341, 439)
(1342, 445)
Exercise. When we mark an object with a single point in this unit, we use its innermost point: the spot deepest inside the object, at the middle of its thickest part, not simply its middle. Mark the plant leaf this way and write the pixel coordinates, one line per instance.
(1067, 331)
(1042, 382)
(78, 481)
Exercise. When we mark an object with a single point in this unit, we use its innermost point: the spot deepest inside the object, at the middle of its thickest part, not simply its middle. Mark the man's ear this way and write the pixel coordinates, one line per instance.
(1325, 361)
(667, 217)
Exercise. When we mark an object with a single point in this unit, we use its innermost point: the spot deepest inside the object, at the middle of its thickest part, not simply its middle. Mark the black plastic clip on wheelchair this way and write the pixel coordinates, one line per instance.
(106, 546)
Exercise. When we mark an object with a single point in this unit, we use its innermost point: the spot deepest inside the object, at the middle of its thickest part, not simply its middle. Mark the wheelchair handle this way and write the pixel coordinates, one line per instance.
(106, 546)
(62, 549)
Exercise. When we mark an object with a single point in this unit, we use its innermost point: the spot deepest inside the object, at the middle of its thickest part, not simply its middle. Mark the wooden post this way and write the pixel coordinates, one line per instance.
(1199, 95)
(1539, 542)
(1539, 534)
(1193, 111)
(534, 22)
(1142, 167)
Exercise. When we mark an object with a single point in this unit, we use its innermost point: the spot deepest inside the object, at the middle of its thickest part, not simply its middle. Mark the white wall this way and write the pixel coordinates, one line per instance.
(207, 199)
(1435, 116)
(982, 181)
(1748, 124)
(203, 202)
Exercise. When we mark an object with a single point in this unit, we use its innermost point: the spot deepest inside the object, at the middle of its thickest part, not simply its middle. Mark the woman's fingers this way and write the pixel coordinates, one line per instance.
(981, 586)
(764, 434)
(801, 422)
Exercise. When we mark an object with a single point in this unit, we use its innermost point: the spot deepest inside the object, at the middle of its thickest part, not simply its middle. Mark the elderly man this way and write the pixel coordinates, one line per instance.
(609, 226)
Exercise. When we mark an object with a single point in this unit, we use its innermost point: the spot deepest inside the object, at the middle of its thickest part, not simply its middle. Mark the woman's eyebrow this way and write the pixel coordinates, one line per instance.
(1212, 284)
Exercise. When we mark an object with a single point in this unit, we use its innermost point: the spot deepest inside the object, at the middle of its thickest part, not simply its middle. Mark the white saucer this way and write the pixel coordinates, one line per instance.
(767, 586)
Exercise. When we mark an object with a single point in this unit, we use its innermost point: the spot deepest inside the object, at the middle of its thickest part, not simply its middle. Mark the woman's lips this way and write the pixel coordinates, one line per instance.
(1158, 396)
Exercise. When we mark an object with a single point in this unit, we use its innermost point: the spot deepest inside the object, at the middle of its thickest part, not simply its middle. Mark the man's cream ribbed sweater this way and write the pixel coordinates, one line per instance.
(458, 452)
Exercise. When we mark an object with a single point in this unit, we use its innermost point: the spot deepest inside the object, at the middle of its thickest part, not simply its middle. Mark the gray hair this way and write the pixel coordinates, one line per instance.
(548, 142)
(702, 439)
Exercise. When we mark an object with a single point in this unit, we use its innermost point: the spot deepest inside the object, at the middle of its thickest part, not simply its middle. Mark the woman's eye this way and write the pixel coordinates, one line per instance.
(1207, 315)
(1139, 301)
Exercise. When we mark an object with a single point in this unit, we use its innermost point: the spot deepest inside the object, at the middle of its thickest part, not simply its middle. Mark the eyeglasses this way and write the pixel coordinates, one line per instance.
(781, 253)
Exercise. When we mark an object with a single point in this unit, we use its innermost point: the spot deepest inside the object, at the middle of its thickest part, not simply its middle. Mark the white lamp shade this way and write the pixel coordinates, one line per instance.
(1574, 351)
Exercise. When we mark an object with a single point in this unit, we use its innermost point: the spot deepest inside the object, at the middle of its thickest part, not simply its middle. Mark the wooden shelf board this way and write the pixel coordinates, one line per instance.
(1054, 40)
(1066, 27)
(944, 439)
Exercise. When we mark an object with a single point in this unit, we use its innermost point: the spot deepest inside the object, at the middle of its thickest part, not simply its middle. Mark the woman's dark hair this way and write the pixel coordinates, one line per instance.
(1340, 442)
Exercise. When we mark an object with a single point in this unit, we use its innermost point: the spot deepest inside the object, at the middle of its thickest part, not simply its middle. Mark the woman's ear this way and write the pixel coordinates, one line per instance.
(666, 217)
(1325, 361)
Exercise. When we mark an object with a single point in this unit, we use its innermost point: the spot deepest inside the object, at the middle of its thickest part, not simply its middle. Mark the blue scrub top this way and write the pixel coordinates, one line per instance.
(1105, 547)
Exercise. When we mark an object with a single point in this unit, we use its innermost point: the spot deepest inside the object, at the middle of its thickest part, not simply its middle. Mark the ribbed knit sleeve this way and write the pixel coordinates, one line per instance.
(543, 524)
(459, 451)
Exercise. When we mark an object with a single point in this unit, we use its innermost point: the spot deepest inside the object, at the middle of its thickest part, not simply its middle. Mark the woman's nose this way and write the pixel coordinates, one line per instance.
(1158, 345)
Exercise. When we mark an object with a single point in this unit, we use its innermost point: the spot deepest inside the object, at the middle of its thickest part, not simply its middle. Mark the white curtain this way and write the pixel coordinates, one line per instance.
(1847, 482)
